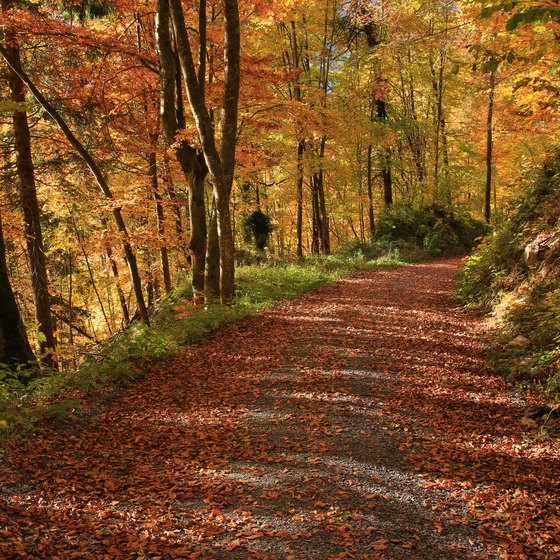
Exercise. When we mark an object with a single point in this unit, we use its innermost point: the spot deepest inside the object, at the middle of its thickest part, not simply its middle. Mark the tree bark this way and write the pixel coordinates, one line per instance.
(370, 193)
(160, 220)
(220, 162)
(316, 226)
(437, 85)
(14, 346)
(489, 149)
(324, 222)
(212, 279)
(385, 157)
(299, 224)
(122, 298)
(192, 162)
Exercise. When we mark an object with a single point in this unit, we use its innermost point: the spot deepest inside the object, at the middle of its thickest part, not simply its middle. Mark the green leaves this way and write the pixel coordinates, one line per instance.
(533, 15)
(490, 65)
(529, 15)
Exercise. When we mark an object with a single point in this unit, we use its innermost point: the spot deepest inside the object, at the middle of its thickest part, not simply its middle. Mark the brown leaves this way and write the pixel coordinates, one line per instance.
(249, 450)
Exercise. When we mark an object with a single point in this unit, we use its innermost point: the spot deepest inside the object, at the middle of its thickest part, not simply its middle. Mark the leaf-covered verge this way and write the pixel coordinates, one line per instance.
(515, 274)
(25, 401)
(280, 440)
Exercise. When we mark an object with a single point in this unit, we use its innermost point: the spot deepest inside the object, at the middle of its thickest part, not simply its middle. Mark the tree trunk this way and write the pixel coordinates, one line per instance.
(191, 162)
(14, 346)
(385, 157)
(489, 149)
(299, 224)
(324, 231)
(227, 257)
(316, 216)
(198, 241)
(324, 221)
(160, 221)
(212, 280)
(370, 193)
(437, 85)
(445, 149)
(219, 161)
(30, 204)
(122, 298)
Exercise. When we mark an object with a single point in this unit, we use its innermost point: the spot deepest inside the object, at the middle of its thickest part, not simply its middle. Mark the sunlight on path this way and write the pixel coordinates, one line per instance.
(285, 438)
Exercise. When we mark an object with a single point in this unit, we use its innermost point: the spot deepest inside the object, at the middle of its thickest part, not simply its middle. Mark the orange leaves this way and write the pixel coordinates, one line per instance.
(222, 451)
(381, 544)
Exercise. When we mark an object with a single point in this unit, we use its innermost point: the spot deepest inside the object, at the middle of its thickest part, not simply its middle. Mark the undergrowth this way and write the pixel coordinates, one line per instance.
(25, 404)
(430, 228)
(524, 300)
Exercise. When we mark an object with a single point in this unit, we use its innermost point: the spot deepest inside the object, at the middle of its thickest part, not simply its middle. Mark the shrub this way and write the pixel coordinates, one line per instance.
(258, 226)
(434, 228)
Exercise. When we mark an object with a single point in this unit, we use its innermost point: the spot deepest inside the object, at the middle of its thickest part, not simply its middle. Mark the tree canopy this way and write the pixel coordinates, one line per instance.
(155, 129)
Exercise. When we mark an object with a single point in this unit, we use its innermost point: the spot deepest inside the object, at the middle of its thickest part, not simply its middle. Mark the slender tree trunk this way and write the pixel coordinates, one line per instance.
(30, 204)
(14, 346)
(70, 298)
(385, 157)
(316, 216)
(325, 237)
(198, 241)
(489, 149)
(212, 280)
(438, 90)
(160, 220)
(120, 293)
(370, 192)
(445, 150)
(292, 61)
(299, 187)
(324, 221)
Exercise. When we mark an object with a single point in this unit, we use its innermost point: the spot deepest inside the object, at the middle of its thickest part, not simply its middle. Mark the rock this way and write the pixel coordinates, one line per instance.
(540, 247)
(520, 342)
(531, 252)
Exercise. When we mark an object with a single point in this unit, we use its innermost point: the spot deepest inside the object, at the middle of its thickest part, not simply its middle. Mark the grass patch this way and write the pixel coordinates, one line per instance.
(175, 323)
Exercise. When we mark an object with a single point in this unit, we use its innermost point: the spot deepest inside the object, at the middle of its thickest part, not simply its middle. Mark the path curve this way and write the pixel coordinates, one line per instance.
(316, 430)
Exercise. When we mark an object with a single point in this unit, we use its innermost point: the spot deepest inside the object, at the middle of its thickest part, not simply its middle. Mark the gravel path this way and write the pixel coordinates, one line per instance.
(278, 439)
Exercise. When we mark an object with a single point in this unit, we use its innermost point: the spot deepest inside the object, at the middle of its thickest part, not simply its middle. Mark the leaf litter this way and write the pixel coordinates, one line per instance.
(358, 421)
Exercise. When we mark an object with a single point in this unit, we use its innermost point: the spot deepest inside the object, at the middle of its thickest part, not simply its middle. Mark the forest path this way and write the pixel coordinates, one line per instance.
(286, 436)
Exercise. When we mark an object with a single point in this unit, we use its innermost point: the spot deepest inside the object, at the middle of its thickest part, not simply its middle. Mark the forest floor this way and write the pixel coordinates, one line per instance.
(357, 421)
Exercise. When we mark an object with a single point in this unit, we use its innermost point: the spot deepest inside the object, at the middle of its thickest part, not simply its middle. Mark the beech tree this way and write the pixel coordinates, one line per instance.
(189, 158)
(219, 156)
